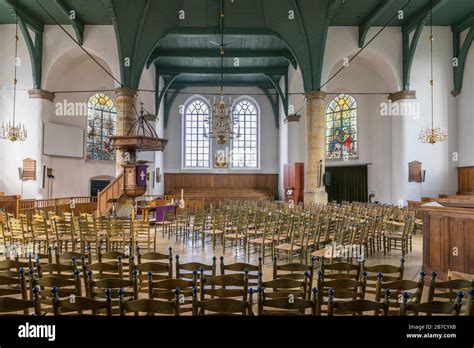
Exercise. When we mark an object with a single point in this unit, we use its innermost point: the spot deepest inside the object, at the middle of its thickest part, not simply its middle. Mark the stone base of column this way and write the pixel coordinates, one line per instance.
(41, 94)
(402, 95)
(319, 196)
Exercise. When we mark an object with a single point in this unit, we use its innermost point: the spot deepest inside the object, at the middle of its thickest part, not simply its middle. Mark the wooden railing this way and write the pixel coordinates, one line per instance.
(112, 191)
(15, 205)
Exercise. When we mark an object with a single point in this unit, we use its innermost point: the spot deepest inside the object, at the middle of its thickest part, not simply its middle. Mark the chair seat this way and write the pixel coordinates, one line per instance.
(235, 236)
(213, 232)
(261, 241)
(288, 246)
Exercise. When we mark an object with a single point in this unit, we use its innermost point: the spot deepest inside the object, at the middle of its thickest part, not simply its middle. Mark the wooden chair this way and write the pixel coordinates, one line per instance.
(64, 288)
(288, 288)
(64, 232)
(150, 262)
(185, 270)
(79, 304)
(14, 286)
(430, 308)
(390, 273)
(129, 287)
(141, 234)
(241, 269)
(340, 270)
(14, 305)
(448, 290)
(223, 286)
(398, 288)
(357, 307)
(165, 290)
(295, 271)
(285, 305)
(221, 306)
(149, 306)
(346, 289)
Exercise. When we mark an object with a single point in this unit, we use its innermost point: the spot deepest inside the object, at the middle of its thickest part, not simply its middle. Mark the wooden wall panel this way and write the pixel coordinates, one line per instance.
(466, 179)
(448, 240)
(178, 181)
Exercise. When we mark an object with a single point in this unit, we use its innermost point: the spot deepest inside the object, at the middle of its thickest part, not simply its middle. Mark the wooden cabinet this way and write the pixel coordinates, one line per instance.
(293, 182)
(448, 240)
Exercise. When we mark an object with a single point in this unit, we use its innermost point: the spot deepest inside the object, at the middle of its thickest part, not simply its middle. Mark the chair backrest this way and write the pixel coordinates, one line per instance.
(447, 290)
(239, 270)
(185, 270)
(340, 270)
(223, 286)
(11, 305)
(398, 287)
(284, 305)
(221, 306)
(357, 307)
(150, 306)
(433, 307)
(288, 288)
(96, 287)
(80, 304)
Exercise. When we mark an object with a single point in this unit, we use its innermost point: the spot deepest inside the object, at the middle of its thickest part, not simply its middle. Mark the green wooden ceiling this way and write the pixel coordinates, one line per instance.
(202, 12)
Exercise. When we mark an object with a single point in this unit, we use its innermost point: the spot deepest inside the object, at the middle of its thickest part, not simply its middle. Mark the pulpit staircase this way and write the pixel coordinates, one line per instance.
(110, 195)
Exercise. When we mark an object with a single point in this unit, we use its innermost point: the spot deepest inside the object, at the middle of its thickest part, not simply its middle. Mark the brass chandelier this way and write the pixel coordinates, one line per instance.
(12, 130)
(432, 135)
(221, 123)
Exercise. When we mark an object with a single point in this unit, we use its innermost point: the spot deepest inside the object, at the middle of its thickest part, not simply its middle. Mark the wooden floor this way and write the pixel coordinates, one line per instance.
(187, 253)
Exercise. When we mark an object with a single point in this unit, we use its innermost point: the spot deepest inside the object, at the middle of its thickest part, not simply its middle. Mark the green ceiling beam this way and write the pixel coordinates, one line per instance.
(415, 23)
(274, 71)
(463, 24)
(168, 103)
(461, 52)
(207, 83)
(274, 104)
(422, 16)
(76, 23)
(168, 81)
(374, 16)
(229, 54)
(27, 17)
(283, 94)
(34, 44)
(216, 31)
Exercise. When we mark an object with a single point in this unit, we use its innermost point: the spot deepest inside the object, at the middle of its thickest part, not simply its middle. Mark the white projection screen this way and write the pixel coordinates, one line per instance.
(61, 140)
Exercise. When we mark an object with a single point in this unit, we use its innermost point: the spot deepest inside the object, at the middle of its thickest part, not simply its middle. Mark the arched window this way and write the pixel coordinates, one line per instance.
(245, 147)
(196, 144)
(101, 123)
(341, 128)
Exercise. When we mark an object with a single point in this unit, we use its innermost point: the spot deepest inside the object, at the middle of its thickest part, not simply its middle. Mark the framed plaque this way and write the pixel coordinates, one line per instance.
(414, 172)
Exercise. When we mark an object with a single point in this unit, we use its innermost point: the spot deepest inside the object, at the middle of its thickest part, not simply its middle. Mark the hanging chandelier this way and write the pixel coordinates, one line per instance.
(222, 123)
(432, 135)
(12, 130)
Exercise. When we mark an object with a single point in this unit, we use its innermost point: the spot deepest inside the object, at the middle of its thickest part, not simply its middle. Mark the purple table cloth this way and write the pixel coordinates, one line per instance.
(160, 211)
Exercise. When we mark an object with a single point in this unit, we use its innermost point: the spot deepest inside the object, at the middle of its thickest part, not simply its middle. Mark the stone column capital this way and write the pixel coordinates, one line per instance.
(402, 95)
(41, 94)
(125, 92)
(315, 95)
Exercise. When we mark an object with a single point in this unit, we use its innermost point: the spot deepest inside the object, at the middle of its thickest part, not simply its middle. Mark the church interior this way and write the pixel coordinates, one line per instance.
(236, 157)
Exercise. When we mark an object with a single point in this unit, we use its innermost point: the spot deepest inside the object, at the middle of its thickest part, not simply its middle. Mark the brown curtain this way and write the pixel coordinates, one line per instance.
(347, 183)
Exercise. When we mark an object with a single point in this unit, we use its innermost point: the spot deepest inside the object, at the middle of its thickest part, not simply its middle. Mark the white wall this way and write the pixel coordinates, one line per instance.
(268, 131)
(466, 114)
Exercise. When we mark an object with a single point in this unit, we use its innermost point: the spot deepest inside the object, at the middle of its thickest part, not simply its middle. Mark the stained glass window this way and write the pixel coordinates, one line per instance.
(101, 123)
(196, 144)
(244, 149)
(341, 128)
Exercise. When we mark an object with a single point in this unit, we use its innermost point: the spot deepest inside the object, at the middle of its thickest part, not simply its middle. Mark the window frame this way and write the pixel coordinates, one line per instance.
(91, 109)
(187, 103)
(231, 145)
(326, 121)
